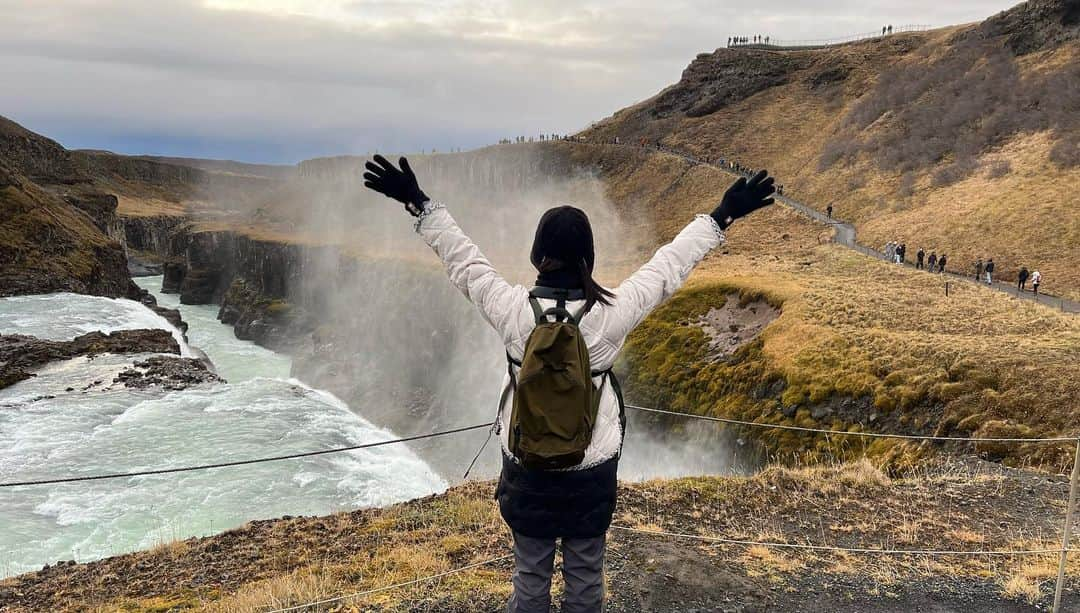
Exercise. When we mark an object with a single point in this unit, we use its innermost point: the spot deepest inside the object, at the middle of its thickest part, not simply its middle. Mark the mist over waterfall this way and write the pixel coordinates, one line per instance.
(404, 348)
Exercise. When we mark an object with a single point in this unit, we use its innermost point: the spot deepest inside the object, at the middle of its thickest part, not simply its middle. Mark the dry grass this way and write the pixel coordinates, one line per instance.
(848, 505)
(1018, 588)
(292, 589)
(170, 549)
(132, 206)
(975, 362)
(1033, 578)
(1024, 217)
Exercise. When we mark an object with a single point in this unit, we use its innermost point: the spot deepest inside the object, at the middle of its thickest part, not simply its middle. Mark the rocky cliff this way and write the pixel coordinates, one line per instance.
(936, 139)
(49, 245)
(53, 224)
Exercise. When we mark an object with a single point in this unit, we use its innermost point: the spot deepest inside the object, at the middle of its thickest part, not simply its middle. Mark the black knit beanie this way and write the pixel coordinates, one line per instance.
(564, 234)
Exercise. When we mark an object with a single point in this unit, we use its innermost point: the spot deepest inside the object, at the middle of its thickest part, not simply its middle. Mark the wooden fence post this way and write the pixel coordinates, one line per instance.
(1067, 531)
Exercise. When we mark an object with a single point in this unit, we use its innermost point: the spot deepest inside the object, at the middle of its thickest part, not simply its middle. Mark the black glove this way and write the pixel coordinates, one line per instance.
(400, 185)
(743, 198)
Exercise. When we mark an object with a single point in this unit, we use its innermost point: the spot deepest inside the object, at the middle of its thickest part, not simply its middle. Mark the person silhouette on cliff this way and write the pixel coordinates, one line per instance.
(574, 504)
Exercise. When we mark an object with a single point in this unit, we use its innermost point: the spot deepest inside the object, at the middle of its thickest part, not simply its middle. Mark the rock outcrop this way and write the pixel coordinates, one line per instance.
(20, 354)
(48, 245)
(167, 372)
(715, 80)
(53, 223)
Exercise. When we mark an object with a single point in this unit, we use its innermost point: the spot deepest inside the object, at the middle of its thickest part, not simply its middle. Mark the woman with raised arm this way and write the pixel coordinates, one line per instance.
(560, 420)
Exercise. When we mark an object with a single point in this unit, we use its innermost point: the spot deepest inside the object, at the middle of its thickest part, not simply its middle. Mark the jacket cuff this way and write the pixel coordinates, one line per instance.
(715, 226)
(430, 207)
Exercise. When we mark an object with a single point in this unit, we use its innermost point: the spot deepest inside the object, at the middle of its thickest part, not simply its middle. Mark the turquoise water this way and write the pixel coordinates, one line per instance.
(71, 420)
(235, 360)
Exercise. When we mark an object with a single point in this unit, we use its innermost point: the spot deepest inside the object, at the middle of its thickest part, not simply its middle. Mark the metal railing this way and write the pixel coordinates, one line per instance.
(780, 44)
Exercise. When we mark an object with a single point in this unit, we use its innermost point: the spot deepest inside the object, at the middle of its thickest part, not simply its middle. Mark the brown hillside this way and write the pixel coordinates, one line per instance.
(860, 344)
(49, 245)
(963, 140)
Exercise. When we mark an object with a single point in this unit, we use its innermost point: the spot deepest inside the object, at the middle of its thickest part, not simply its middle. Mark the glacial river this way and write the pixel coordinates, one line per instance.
(70, 420)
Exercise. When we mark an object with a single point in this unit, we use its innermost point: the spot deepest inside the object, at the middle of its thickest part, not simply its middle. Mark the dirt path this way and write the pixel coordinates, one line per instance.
(846, 235)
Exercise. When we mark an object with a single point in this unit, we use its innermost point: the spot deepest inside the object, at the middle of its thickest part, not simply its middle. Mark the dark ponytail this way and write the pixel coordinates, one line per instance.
(594, 292)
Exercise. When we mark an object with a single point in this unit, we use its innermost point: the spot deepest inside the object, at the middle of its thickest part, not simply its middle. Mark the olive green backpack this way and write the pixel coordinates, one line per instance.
(555, 400)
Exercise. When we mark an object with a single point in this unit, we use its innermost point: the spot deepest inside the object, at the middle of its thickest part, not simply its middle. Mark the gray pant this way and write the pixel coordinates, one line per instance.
(583, 573)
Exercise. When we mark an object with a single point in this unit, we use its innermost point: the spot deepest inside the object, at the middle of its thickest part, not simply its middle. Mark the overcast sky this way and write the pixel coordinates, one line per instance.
(284, 80)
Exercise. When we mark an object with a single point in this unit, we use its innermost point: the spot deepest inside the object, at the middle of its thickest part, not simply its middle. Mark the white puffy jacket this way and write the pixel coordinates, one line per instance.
(605, 328)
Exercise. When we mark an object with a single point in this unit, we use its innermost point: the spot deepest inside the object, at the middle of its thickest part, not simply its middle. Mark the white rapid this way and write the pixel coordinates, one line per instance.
(63, 316)
(72, 420)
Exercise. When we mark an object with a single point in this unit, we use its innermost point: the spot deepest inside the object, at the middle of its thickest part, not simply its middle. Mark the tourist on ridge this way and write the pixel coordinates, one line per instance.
(1021, 278)
(883, 30)
(931, 262)
(890, 29)
(920, 255)
(555, 486)
(828, 210)
(1036, 279)
(979, 270)
(990, 271)
(941, 263)
(901, 254)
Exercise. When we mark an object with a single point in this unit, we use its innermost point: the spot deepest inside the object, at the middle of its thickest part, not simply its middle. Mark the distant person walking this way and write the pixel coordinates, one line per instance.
(990, 271)
(1036, 279)
(941, 263)
(828, 210)
(901, 254)
(978, 269)
(1021, 279)
(931, 262)
(920, 255)
(890, 29)
(883, 28)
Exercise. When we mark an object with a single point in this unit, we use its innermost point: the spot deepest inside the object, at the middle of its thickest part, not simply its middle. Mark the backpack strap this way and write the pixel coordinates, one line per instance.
(558, 312)
(538, 313)
(560, 296)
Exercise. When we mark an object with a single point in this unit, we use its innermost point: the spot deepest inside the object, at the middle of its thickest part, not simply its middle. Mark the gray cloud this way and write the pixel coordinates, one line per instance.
(177, 75)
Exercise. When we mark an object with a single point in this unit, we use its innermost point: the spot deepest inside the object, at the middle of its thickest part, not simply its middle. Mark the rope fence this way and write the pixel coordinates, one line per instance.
(1063, 551)
(278, 458)
(954, 439)
(417, 437)
(888, 552)
(698, 537)
(779, 44)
